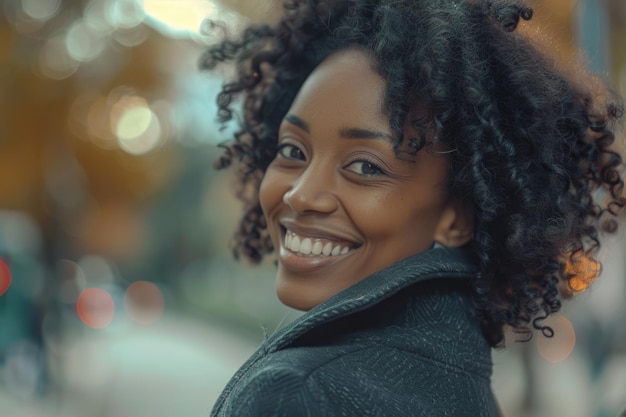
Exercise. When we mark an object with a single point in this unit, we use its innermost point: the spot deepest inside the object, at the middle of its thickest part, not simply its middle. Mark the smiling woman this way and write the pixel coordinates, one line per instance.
(426, 177)
(336, 190)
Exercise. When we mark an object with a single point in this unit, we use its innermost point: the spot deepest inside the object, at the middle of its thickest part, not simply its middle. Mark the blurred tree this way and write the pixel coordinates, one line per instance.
(61, 158)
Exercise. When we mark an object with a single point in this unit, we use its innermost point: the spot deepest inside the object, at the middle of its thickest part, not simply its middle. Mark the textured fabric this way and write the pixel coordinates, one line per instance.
(402, 342)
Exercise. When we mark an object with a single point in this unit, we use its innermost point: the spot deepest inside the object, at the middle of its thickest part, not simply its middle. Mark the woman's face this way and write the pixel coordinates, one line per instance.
(339, 204)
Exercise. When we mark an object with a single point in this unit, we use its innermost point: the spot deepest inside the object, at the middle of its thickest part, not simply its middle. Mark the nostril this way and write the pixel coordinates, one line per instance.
(310, 196)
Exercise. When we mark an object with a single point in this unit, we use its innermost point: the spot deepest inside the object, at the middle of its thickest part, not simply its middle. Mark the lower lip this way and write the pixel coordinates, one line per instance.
(306, 263)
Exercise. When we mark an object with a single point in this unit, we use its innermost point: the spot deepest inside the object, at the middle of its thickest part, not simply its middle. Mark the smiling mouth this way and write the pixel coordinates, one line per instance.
(311, 246)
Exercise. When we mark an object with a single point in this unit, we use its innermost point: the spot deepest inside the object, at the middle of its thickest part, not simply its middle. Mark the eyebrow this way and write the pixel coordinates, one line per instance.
(296, 121)
(347, 133)
(356, 133)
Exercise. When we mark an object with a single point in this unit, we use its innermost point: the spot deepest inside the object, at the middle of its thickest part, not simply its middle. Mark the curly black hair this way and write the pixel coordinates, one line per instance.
(530, 147)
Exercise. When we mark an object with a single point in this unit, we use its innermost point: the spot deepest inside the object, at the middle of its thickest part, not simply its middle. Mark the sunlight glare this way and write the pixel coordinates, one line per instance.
(180, 15)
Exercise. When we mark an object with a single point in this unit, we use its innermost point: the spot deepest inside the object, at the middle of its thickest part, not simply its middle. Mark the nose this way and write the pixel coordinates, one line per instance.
(312, 192)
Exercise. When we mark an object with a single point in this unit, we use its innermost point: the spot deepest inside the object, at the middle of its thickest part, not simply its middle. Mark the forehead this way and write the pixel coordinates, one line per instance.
(345, 88)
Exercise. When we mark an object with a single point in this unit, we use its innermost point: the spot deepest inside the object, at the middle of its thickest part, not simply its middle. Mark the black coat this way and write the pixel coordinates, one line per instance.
(402, 342)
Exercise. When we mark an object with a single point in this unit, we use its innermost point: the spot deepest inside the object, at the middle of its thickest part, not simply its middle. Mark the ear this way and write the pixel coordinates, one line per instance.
(456, 225)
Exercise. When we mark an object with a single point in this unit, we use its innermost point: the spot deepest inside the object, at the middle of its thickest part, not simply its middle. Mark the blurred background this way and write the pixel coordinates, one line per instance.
(118, 294)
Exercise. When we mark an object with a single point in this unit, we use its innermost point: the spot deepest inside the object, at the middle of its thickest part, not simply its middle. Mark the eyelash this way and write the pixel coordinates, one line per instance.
(363, 160)
(284, 146)
(379, 171)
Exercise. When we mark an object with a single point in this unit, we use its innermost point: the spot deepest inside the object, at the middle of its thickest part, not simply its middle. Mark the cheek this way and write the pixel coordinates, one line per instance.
(268, 199)
(398, 219)
(268, 191)
(273, 187)
(263, 194)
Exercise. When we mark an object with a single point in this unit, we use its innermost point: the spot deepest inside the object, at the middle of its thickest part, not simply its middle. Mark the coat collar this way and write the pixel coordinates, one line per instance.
(438, 263)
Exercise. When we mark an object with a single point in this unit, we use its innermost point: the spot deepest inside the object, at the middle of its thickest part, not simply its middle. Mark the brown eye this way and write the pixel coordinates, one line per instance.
(291, 152)
(365, 168)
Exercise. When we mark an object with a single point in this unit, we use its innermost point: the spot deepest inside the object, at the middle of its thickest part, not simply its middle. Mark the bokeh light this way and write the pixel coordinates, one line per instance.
(54, 61)
(558, 347)
(72, 280)
(136, 126)
(134, 122)
(180, 15)
(84, 43)
(41, 9)
(95, 308)
(94, 15)
(97, 270)
(23, 23)
(124, 14)
(144, 302)
(132, 37)
(5, 277)
(122, 120)
(98, 124)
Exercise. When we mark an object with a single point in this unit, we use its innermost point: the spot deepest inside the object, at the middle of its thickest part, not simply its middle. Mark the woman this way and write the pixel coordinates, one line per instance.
(426, 177)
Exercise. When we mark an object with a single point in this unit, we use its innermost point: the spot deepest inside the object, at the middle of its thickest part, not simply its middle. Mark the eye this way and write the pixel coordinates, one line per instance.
(291, 152)
(365, 168)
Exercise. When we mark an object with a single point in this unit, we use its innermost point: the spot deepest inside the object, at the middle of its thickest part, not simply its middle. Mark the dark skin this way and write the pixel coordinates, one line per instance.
(340, 204)
(527, 145)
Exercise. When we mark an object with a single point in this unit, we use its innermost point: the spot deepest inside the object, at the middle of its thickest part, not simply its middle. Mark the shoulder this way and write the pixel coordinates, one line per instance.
(277, 390)
(302, 382)
(365, 381)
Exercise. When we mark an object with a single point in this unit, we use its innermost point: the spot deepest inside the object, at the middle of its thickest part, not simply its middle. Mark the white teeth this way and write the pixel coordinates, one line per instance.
(288, 240)
(295, 243)
(328, 247)
(317, 247)
(308, 246)
(305, 246)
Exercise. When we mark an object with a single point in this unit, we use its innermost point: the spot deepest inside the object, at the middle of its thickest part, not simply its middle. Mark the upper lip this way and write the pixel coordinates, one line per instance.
(319, 232)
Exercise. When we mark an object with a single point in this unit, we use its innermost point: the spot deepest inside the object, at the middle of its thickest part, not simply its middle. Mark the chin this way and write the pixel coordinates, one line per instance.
(295, 298)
